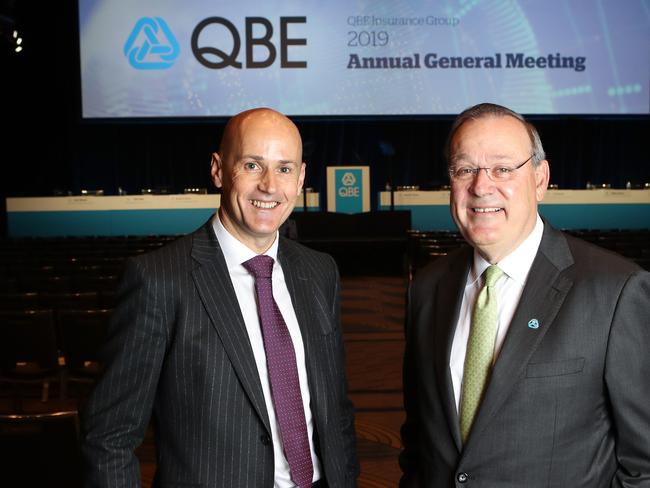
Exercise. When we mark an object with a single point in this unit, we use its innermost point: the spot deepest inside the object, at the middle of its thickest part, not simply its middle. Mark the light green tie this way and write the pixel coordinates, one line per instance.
(480, 350)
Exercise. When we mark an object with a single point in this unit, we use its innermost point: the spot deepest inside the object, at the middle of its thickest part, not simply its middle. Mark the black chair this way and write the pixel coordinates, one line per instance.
(19, 301)
(82, 334)
(105, 268)
(28, 349)
(631, 249)
(77, 301)
(40, 450)
(95, 283)
(44, 283)
(8, 284)
(424, 256)
(107, 299)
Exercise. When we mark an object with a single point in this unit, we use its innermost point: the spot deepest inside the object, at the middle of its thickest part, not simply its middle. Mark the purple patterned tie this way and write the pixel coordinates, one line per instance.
(283, 374)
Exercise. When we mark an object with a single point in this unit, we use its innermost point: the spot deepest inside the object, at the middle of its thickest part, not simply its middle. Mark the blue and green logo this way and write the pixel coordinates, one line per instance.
(349, 195)
(151, 45)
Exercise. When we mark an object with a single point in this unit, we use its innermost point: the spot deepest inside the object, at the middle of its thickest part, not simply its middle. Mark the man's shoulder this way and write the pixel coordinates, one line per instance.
(293, 249)
(591, 265)
(598, 259)
(173, 253)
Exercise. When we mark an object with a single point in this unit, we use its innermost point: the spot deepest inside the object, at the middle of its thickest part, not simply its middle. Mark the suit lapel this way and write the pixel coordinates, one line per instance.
(447, 307)
(542, 297)
(215, 288)
(302, 292)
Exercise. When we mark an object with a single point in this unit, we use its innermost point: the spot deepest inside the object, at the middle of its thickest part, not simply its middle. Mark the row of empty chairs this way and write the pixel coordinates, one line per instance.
(425, 247)
(27, 282)
(43, 346)
(56, 297)
(57, 300)
(70, 265)
(633, 244)
(40, 449)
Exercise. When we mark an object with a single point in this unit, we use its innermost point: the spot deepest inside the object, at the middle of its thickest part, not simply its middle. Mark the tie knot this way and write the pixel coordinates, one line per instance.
(261, 266)
(492, 275)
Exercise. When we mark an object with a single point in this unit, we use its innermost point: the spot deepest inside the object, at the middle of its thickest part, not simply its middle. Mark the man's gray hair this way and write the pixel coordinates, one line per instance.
(483, 110)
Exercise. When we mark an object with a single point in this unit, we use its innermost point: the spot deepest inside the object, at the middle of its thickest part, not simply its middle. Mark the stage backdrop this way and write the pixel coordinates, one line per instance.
(197, 58)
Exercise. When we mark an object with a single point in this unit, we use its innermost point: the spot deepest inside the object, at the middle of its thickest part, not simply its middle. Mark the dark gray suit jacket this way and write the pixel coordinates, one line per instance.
(178, 347)
(568, 403)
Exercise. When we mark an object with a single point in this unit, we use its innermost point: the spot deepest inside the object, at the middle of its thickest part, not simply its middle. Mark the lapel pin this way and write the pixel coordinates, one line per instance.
(533, 324)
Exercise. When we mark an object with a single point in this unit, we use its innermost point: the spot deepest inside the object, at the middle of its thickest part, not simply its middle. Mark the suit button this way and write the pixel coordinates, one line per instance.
(266, 440)
(462, 477)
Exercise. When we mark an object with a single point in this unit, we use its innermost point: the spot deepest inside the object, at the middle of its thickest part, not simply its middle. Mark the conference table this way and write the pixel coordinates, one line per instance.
(179, 214)
(565, 209)
(90, 215)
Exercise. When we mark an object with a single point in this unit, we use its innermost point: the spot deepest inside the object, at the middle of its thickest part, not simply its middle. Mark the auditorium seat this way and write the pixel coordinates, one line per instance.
(100, 268)
(426, 247)
(19, 301)
(68, 300)
(81, 334)
(41, 450)
(97, 283)
(107, 299)
(44, 283)
(28, 349)
(8, 284)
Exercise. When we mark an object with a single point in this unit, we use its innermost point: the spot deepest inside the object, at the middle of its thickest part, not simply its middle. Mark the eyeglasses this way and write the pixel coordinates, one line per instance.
(495, 173)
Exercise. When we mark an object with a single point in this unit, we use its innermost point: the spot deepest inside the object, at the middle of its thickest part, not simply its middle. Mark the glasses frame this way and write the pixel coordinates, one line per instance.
(475, 171)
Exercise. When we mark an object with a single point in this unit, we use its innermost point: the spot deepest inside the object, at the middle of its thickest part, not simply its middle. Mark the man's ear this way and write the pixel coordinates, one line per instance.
(216, 170)
(542, 177)
(301, 177)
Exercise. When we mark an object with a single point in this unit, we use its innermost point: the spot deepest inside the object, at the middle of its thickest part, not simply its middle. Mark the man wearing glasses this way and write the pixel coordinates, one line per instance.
(527, 354)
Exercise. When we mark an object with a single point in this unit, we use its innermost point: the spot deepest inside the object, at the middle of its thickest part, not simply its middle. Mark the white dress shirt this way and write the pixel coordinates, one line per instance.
(515, 267)
(236, 253)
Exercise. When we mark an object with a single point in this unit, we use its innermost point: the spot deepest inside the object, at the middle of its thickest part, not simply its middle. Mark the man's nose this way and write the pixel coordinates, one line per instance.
(482, 183)
(268, 181)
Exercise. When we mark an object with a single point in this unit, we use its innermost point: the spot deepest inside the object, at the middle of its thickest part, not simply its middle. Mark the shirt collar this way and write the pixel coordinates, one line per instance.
(234, 251)
(517, 264)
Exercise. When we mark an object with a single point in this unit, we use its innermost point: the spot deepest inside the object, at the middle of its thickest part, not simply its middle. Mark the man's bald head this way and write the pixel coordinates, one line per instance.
(258, 118)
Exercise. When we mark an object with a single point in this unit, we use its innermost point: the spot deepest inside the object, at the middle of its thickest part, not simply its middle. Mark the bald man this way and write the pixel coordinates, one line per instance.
(240, 397)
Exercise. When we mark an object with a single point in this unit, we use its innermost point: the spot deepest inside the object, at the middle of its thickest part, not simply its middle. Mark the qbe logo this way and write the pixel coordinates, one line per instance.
(217, 43)
(151, 45)
(348, 189)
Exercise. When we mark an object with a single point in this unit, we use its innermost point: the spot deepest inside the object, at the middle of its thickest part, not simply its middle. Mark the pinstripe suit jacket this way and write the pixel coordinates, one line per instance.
(178, 347)
(567, 403)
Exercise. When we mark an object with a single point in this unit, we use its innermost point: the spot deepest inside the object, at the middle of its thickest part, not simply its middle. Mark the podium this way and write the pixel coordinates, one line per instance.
(348, 189)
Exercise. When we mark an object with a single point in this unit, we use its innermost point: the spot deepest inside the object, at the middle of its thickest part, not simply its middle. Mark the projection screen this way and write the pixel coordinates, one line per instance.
(201, 58)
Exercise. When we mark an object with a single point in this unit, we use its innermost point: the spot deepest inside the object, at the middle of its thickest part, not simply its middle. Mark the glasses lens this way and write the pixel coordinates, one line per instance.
(495, 173)
(500, 173)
